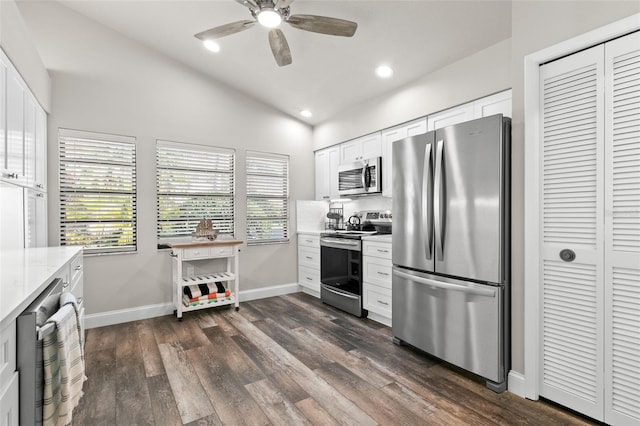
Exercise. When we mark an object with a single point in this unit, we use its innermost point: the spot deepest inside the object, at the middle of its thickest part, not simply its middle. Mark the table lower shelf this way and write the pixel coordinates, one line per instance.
(207, 278)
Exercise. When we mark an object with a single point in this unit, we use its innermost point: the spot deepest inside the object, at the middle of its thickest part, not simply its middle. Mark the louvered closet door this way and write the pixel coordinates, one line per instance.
(622, 231)
(572, 205)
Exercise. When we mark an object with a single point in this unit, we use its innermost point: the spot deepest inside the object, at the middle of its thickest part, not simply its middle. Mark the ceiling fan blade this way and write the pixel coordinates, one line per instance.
(282, 3)
(225, 30)
(323, 25)
(251, 4)
(279, 47)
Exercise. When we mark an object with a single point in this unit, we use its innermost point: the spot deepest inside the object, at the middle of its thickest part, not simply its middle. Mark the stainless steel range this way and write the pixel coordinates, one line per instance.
(341, 261)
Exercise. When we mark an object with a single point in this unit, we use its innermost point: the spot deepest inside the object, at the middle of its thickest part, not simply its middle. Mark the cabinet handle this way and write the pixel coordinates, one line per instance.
(383, 303)
(12, 175)
(386, 274)
(79, 301)
(309, 241)
(309, 278)
(65, 284)
(309, 257)
(78, 267)
(383, 251)
(40, 194)
(39, 185)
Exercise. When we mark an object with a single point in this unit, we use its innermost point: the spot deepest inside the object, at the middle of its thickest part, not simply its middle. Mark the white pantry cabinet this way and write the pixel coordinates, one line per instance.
(368, 146)
(327, 161)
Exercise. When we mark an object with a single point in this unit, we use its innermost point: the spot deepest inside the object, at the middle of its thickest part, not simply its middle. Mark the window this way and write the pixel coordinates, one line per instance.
(194, 182)
(97, 191)
(267, 197)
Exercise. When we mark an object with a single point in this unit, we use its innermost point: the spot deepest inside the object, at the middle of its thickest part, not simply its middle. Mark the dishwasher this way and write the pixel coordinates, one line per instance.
(30, 335)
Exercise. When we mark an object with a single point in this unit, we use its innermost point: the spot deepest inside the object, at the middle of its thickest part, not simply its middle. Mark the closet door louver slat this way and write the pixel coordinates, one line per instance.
(571, 203)
(622, 231)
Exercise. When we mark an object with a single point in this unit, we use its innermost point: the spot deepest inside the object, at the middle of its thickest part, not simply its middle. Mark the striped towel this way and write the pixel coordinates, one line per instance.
(195, 291)
(63, 359)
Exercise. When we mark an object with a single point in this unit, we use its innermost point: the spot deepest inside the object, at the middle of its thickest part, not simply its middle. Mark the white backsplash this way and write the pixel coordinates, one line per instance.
(366, 203)
(311, 215)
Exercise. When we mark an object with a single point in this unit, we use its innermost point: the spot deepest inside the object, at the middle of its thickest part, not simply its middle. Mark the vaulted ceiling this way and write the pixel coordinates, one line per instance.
(328, 73)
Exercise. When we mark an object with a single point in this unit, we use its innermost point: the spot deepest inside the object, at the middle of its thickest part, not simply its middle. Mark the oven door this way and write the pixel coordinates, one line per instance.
(341, 274)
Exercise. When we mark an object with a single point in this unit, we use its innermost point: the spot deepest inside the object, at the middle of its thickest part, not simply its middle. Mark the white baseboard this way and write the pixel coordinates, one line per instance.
(151, 311)
(515, 383)
(126, 315)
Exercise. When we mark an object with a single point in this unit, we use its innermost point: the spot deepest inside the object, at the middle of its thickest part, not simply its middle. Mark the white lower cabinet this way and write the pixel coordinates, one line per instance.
(9, 402)
(376, 288)
(309, 263)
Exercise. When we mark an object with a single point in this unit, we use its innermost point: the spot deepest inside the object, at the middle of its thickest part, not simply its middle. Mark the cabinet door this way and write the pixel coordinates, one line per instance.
(350, 151)
(11, 216)
(3, 119)
(41, 149)
(451, 116)
(371, 145)
(500, 103)
(15, 127)
(29, 136)
(327, 161)
(35, 218)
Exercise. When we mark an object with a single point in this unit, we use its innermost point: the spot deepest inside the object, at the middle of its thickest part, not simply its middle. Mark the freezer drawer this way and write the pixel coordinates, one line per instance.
(459, 322)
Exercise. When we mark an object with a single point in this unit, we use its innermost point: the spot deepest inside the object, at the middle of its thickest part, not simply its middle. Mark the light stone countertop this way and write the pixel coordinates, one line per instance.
(25, 273)
(384, 238)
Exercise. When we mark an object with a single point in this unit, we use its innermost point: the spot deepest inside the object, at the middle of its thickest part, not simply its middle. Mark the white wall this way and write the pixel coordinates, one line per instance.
(103, 82)
(16, 42)
(478, 75)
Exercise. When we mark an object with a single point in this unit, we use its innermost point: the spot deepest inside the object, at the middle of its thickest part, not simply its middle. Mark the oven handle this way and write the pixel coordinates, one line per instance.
(333, 242)
(340, 293)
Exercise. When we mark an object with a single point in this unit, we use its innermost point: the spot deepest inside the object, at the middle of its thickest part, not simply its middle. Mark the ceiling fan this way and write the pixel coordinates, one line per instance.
(270, 13)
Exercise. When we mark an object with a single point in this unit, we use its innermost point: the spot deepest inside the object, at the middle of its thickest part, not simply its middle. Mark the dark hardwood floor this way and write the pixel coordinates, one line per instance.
(284, 361)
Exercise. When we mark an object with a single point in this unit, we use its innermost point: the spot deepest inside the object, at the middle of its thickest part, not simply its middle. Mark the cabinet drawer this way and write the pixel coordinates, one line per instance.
(377, 299)
(9, 402)
(309, 240)
(77, 289)
(309, 278)
(221, 251)
(7, 352)
(195, 253)
(382, 250)
(310, 257)
(377, 271)
(75, 267)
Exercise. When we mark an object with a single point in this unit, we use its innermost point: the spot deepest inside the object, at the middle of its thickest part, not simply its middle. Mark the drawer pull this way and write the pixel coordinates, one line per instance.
(383, 251)
(386, 274)
(309, 257)
(79, 301)
(383, 303)
(309, 241)
(78, 267)
(309, 279)
(65, 284)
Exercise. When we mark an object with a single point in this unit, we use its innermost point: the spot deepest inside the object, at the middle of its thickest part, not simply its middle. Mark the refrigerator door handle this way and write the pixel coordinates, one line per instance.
(486, 292)
(427, 226)
(438, 202)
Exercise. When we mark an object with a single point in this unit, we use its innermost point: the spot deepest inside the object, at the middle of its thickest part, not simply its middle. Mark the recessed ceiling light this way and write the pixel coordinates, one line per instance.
(269, 18)
(211, 45)
(306, 113)
(384, 71)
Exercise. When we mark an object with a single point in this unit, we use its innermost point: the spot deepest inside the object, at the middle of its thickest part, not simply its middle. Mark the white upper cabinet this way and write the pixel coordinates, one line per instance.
(450, 116)
(13, 167)
(327, 161)
(364, 147)
(413, 128)
(500, 103)
(23, 128)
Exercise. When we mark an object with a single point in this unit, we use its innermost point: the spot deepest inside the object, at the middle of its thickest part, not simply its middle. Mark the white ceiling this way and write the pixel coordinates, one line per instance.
(328, 74)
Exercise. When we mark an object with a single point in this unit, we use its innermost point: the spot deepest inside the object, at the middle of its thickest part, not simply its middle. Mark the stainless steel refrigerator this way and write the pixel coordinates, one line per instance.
(451, 245)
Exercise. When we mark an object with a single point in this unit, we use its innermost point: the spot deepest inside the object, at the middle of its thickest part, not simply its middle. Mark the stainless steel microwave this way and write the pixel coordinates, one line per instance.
(361, 177)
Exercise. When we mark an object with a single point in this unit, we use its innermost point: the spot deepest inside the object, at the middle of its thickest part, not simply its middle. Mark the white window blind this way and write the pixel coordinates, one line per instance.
(97, 191)
(267, 197)
(194, 182)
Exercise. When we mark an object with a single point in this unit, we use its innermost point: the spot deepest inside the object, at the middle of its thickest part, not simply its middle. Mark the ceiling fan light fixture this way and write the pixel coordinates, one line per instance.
(211, 45)
(384, 71)
(269, 18)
